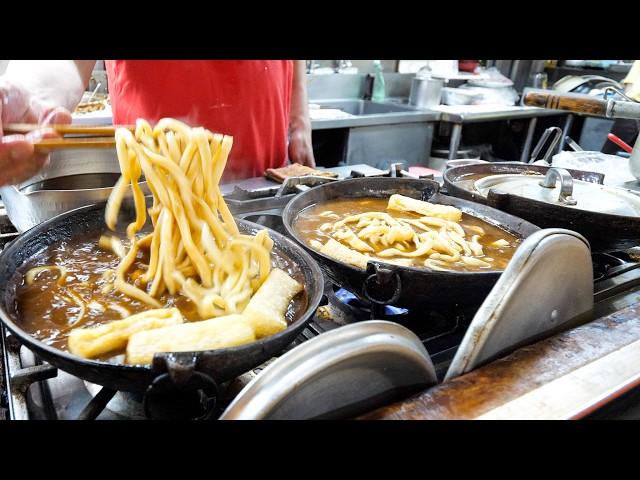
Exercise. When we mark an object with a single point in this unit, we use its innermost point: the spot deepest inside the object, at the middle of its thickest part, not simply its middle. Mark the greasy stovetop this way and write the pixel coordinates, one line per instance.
(441, 336)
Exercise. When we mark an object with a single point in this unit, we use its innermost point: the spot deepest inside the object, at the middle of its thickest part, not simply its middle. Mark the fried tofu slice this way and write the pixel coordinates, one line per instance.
(263, 316)
(220, 332)
(266, 310)
(93, 342)
(335, 249)
(408, 204)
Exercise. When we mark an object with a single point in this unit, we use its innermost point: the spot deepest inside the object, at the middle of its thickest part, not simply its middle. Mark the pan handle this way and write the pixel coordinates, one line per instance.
(579, 103)
(569, 102)
(498, 199)
(197, 392)
(431, 190)
(382, 278)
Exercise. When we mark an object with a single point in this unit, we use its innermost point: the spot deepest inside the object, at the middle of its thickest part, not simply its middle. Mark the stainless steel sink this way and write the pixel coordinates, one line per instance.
(365, 113)
(364, 107)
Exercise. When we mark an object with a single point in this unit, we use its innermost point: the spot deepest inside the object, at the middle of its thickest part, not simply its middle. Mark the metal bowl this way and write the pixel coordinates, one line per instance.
(73, 178)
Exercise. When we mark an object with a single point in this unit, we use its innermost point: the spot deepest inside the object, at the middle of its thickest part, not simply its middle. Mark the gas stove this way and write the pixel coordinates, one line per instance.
(31, 389)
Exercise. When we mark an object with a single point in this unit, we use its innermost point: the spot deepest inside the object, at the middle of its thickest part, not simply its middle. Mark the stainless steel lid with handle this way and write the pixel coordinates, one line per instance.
(559, 188)
(339, 374)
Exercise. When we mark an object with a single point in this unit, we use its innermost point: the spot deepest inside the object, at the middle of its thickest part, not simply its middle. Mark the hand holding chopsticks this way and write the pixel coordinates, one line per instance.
(95, 136)
(21, 156)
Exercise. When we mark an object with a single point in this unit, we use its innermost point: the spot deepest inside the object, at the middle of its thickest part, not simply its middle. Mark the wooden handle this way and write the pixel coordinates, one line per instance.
(572, 103)
(59, 143)
(103, 130)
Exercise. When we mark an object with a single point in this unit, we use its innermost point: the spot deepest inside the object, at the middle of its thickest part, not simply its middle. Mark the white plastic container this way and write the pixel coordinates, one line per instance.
(617, 170)
(634, 160)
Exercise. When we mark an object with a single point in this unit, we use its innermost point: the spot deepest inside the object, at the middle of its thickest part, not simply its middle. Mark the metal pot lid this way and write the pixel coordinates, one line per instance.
(339, 374)
(568, 192)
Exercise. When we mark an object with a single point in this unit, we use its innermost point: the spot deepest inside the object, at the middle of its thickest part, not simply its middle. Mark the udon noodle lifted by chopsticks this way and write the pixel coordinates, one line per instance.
(195, 247)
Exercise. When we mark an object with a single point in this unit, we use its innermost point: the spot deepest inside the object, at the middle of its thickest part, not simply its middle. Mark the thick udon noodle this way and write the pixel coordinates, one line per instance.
(410, 233)
(195, 247)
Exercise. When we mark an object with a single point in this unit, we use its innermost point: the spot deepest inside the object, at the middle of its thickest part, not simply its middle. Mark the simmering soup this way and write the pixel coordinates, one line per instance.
(50, 309)
(419, 240)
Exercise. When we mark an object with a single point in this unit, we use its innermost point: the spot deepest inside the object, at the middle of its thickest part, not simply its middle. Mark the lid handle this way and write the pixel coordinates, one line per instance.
(566, 184)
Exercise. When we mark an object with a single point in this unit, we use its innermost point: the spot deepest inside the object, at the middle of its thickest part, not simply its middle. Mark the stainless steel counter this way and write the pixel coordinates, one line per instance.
(465, 114)
(386, 119)
(482, 115)
(364, 113)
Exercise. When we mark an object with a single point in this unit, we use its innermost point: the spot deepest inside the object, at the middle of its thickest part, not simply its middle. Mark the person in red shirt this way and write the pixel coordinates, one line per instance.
(261, 103)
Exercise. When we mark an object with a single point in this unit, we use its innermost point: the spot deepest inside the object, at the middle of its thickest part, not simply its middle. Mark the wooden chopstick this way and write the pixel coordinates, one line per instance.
(96, 136)
(103, 130)
(80, 142)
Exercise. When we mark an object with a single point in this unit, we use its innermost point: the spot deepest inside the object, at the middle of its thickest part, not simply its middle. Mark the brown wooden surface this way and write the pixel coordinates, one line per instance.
(571, 103)
(488, 387)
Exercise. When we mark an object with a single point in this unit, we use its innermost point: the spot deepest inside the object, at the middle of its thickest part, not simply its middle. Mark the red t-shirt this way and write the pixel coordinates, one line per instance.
(248, 99)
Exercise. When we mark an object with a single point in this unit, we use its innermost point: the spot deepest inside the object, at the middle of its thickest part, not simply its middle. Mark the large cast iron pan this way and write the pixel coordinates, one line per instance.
(604, 232)
(384, 283)
(219, 365)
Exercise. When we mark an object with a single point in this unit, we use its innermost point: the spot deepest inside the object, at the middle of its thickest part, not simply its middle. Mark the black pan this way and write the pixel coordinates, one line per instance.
(385, 283)
(605, 232)
(219, 365)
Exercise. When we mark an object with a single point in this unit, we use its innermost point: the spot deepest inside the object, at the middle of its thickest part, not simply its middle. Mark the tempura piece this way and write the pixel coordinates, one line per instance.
(500, 243)
(92, 342)
(220, 332)
(267, 308)
(344, 254)
(408, 204)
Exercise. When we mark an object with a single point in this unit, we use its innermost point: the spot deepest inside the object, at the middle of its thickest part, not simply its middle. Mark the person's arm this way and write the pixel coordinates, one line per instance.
(39, 92)
(300, 146)
(60, 83)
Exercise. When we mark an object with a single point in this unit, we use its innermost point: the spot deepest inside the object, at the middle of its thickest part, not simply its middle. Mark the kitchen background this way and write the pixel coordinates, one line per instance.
(379, 113)
(422, 113)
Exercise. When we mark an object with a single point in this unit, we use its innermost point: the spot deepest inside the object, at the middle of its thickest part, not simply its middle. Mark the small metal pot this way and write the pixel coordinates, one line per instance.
(72, 179)
(425, 92)
(604, 231)
(387, 284)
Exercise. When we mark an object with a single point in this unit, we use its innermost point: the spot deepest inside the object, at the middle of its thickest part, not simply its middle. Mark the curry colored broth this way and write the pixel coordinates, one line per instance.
(47, 316)
(308, 223)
